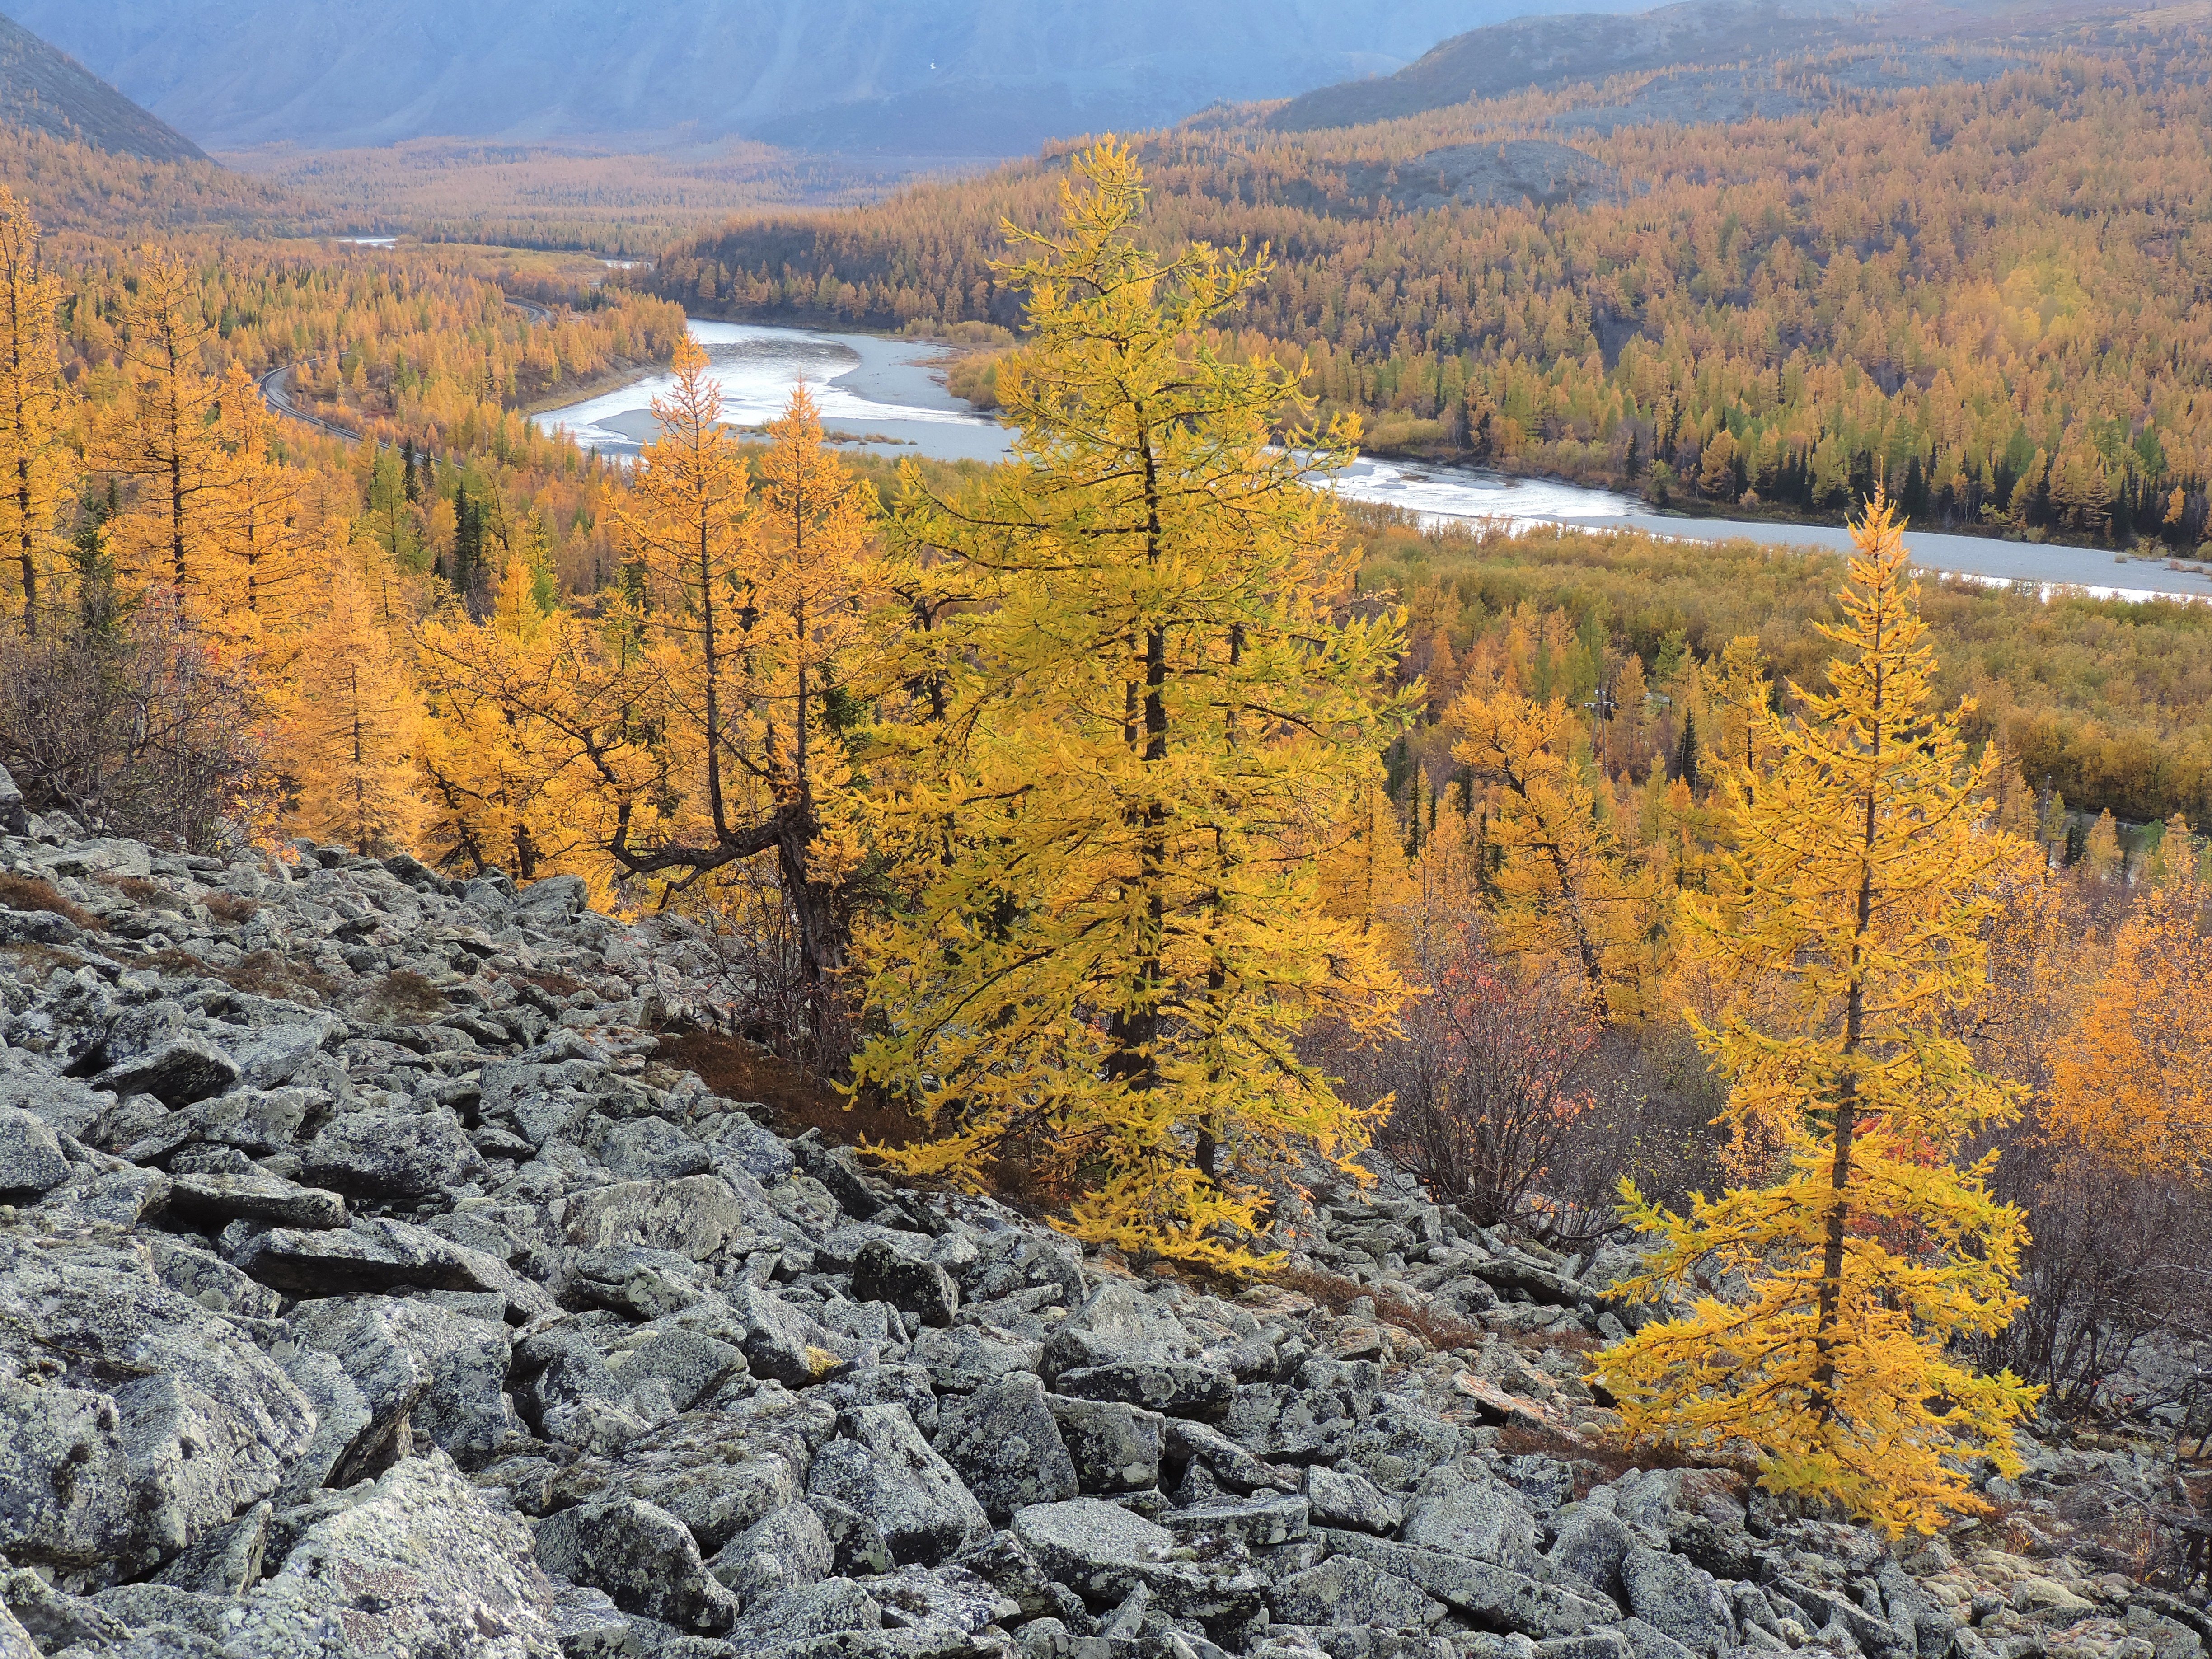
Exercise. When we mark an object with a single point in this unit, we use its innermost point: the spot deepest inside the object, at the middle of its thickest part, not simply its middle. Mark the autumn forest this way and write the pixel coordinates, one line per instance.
(1138, 830)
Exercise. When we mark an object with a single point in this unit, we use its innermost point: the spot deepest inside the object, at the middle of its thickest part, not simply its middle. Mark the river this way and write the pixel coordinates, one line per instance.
(881, 394)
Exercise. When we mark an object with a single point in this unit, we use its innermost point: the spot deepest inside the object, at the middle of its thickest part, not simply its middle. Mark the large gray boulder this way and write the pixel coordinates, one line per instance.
(1587, 1554)
(881, 1467)
(152, 1423)
(1003, 1442)
(1343, 1591)
(1114, 1447)
(881, 1273)
(1107, 1553)
(1680, 1601)
(719, 1472)
(786, 1551)
(1465, 1510)
(391, 1155)
(31, 1160)
(420, 1563)
(641, 1556)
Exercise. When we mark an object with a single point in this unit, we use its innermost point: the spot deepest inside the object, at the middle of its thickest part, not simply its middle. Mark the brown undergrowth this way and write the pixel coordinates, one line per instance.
(33, 893)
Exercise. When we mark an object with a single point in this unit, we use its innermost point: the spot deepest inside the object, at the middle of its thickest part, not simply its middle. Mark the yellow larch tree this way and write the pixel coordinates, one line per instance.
(806, 580)
(267, 555)
(38, 467)
(2132, 1079)
(1156, 711)
(1848, 911)
(506, 741)
(1562, 886)
(165, 434)
(351, 726)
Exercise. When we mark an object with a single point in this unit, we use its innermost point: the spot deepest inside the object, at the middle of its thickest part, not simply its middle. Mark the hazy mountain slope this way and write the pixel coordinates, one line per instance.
(49, 92)
(1561, 50)
(917, 76)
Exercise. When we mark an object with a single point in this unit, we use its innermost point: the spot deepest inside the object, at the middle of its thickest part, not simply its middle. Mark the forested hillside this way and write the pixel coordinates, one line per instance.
(47, 91)
(1988, 292)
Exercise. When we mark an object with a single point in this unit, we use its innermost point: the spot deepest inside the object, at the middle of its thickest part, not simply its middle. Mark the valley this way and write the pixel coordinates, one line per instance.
(928, 830)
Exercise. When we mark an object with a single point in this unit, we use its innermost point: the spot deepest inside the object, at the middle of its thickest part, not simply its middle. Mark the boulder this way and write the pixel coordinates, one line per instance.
(391, 1154)
(380, 1254)
(1343, 1590)
(696, 1216)
(154, 1423)
(1587, 1554)
(219, 1198)
(882, 1274)
(31, 1160)
(1493, 1596)
(784, 1551)
(178, 1073)
(1679, 1601)
(1464, 1509)
(1003, 1442)
(1115, 1448)
(641, 1556)
(1338, 1499)
(881, 1467)
(830, 1609)
(403, 1566)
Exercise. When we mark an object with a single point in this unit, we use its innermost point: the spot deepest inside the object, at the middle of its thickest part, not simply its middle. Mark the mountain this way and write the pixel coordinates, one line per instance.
(942, 77)
(1550, 51)
(48, 91)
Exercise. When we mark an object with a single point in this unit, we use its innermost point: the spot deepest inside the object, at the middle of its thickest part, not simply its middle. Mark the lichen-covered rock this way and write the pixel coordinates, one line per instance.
(418, 1565)
(1005, 1446)
(136, 1421)
(641, 1556)
(31, 1160)
(391, 1154)
(881, 1467)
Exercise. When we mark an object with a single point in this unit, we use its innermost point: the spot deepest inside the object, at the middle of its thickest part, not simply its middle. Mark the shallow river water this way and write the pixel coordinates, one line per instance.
(881, 392)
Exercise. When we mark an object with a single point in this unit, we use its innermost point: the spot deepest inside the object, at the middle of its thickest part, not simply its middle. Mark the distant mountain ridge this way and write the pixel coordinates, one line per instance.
(925, 77)
(1559, 50)
(47, 91)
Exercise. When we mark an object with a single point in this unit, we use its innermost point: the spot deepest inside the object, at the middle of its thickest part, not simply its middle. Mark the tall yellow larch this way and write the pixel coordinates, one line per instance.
(268, 555)
(1847, 914)
(165, 434)
(685, 532)
(37, 468)
(807, 582)
(1109, 936)
(351, 726)
(1561, 884)
(506, 744)
(2131, 1081)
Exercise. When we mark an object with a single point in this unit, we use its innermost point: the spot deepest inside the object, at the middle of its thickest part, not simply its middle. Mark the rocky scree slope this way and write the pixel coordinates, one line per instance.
(368, 1288)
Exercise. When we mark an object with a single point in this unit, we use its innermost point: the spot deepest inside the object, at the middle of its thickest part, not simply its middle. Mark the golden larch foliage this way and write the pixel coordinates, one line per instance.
(1847, 913)
(1156, 715)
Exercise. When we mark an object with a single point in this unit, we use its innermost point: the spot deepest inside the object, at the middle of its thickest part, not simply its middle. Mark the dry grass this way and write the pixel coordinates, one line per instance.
(797, 1101)
(266, 974)
(34, 893)
(404, 997)
(233, 907)
(1336, 1294)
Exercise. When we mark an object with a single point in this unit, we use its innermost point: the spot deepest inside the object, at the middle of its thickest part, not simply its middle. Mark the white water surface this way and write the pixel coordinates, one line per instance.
(883, 391)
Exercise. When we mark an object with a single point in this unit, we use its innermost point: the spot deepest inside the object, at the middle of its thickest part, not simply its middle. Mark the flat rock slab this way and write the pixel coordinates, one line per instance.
(1492, 1594)
(419, 1563)
(380, 1254)
(256, 1198)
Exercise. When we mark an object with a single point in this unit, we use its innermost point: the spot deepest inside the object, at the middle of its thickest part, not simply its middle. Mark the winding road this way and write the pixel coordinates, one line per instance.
(275, 385)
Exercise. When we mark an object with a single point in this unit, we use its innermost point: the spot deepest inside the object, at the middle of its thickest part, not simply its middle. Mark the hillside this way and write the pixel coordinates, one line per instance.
(949, 77)
(1960, 286)
(47, 91)
(1550, 52)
